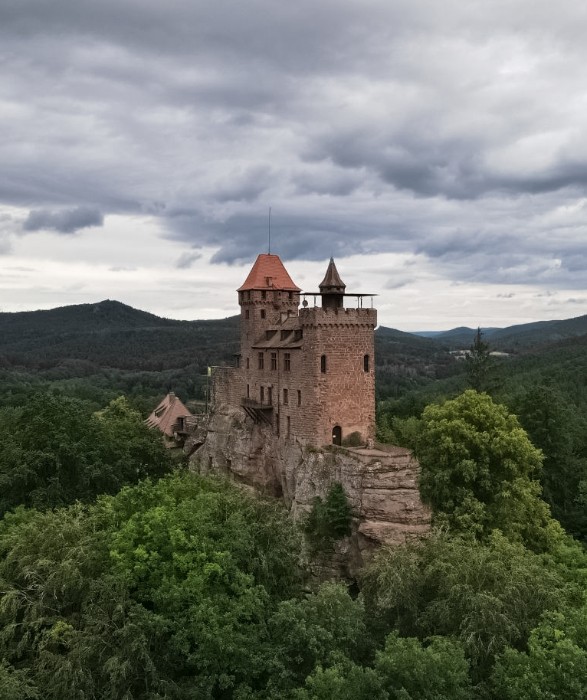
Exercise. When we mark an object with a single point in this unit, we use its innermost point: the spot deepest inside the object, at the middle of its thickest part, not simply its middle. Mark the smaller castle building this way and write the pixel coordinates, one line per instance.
(306, 372)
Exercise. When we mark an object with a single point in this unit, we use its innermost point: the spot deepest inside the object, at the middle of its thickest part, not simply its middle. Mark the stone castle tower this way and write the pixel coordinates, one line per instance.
(307, 372)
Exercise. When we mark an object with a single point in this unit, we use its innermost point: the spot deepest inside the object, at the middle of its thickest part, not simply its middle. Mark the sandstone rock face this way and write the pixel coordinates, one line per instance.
(381, 484)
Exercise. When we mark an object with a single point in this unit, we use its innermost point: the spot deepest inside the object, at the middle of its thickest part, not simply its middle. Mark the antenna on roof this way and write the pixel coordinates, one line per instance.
(269, 251)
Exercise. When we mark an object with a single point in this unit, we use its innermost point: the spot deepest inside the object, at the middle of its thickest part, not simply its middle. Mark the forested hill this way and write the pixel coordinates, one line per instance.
(111, 334)
(519, 337)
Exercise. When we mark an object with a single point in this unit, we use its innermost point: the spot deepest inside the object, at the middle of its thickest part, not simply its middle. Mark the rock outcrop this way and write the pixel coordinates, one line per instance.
(380, 483)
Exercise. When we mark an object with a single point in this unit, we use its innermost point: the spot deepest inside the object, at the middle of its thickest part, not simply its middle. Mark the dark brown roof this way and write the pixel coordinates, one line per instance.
(332, 281)
(268, 272)
(166, 414)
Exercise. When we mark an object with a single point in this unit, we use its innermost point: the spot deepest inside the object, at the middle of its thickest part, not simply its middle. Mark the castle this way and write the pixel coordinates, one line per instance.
(308, 373)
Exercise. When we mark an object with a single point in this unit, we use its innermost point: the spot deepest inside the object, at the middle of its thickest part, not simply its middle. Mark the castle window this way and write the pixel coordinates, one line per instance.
(261, 360)
(323, 364)
(248, 363)
(366, 363)
(240, 297)
(285, 397)
(263, 294)
(246, 313)
(290, 295)
(273, 360)
(299, 397)
(284, 334)
(262, 313)
(270, 396)
(288, 426)
(248, 392)
(262, 394)
(287, 362)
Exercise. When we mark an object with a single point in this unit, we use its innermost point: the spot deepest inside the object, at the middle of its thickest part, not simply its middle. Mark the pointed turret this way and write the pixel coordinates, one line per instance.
(332, 288)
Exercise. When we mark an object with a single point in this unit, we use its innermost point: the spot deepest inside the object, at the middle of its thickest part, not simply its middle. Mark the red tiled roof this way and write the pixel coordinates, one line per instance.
(166, 414)
(268, 272)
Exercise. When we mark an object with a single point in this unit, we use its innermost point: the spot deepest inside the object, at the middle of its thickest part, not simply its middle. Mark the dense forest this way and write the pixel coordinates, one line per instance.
(124, 575)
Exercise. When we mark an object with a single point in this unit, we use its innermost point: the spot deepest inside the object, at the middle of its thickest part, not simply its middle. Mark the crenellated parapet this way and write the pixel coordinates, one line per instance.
(318, 316)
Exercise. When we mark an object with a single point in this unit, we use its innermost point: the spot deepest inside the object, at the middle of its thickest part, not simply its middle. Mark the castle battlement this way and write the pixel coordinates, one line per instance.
(318, 316)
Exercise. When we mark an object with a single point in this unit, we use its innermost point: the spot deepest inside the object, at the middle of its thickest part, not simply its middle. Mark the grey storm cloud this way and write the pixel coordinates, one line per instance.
(419, 128)
(186, 260)
(64, 221)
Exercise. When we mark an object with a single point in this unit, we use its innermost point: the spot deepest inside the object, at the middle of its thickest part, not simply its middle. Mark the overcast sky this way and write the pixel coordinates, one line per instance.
(437, 149)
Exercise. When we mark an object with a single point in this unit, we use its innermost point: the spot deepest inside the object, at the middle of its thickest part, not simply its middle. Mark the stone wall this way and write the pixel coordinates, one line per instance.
(344, 393)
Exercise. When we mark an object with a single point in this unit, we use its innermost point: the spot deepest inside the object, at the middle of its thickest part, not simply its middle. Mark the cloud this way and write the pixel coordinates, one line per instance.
(63, 221)
(453, 137)
(186, 260)
(5, 245)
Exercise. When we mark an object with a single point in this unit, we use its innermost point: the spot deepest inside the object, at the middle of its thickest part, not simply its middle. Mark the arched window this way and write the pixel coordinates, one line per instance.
(337, 435)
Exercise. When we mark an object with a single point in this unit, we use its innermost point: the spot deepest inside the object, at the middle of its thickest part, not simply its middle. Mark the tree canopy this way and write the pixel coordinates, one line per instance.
(479, 471)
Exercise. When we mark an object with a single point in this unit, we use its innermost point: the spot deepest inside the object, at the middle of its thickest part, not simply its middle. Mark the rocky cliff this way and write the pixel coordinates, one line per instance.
(381, 484)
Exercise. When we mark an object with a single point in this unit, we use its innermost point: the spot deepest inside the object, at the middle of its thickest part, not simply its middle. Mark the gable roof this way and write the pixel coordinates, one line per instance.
(166, 414)
(268, 272)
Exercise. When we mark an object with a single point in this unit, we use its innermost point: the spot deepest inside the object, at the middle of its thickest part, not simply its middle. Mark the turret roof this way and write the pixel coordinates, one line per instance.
(268, 272)
(332, 278)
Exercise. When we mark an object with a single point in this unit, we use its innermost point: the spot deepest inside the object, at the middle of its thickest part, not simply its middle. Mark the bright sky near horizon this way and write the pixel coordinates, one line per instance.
(438, 150)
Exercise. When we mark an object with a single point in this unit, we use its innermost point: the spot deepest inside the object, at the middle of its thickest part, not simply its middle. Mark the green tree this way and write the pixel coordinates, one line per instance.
(330, 519)
(164, 590)
(343, 680)
(406, 669)
(488, 595)
(478, 362)
(308, 632)
(58, 451)
(558, 429)
(435, 670)
(553, 666)
(16, 684)
(479, 472)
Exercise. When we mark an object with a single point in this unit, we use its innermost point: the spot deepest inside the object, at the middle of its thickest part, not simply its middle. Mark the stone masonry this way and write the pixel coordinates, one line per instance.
(309, 373)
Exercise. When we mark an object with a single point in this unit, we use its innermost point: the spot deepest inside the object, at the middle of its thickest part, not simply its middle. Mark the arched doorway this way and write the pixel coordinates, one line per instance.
(337, 435)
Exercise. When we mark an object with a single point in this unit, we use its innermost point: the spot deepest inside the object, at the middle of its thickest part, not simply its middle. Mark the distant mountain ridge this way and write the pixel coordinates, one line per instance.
(517, 337)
